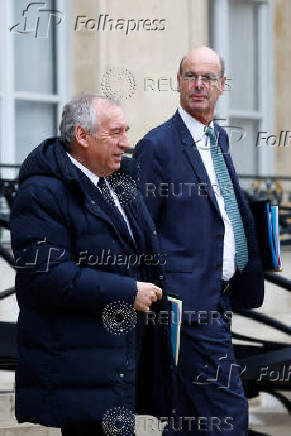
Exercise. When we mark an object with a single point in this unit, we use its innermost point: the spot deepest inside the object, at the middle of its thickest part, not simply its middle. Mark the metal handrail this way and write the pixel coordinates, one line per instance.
(4, 253)
(278, 280)
(6, 165)
(263, 342)
(7, 293)
(266, 319)
(263, 177)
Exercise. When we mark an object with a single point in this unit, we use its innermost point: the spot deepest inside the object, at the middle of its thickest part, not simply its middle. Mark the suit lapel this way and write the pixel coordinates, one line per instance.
(93, 202)
(193, 156)
(118, 224)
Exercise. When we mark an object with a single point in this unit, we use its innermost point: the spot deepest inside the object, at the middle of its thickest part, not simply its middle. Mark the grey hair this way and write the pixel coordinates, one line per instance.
(80, 111)
(221, 60)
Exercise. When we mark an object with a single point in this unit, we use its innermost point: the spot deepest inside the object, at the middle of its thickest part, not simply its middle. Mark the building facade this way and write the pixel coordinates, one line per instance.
(52, 50)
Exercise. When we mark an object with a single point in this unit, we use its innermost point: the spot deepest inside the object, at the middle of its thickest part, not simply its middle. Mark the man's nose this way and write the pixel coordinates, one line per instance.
(124, 141)
(198, 82)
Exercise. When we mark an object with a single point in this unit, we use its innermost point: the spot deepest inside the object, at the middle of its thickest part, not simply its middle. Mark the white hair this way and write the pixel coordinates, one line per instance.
(80, 111)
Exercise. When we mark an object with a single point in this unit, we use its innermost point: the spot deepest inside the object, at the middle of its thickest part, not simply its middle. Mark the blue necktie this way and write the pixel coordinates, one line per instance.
(230, 202)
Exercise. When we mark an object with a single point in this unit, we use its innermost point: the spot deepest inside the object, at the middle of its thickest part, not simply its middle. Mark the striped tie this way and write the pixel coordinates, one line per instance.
(230, 202)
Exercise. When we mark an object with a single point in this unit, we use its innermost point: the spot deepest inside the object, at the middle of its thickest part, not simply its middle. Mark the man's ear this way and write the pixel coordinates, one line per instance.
(178, 82)
(81, 136)
(222, 85)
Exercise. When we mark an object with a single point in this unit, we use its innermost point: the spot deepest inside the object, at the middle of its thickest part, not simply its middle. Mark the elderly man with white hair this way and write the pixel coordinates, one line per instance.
(85, 357)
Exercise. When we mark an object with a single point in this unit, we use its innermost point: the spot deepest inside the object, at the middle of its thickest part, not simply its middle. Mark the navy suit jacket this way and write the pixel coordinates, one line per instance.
(182, 202)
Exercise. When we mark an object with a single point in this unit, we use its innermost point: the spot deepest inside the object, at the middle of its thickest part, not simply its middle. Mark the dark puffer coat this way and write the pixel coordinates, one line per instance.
(70, 367)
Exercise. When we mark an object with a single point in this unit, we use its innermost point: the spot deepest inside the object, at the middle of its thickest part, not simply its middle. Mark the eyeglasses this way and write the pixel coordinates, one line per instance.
(205, 79)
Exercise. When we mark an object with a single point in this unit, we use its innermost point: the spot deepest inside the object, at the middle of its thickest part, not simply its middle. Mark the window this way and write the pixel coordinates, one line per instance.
(240, 31)
(33, 77)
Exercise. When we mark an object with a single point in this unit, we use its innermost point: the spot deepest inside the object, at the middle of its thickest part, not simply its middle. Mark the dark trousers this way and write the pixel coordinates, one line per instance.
(83, 430)
(208, 397)
(95, 429)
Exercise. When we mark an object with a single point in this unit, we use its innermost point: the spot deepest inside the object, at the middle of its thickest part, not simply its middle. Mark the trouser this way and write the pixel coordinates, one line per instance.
(83, 430)
(208, 395)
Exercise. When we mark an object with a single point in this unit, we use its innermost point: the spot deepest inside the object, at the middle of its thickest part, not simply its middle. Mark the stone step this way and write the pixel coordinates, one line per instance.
(7, 407)
(272, 421)
(9, 429)
(273, 430)
(27, 429)
(269, 415)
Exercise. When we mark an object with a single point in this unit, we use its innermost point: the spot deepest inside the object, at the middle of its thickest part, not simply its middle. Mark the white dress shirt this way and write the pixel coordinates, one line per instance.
(202, 142)
(95, 179)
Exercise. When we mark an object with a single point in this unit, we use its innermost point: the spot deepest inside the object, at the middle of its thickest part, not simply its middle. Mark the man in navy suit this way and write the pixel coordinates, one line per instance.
(205, 226)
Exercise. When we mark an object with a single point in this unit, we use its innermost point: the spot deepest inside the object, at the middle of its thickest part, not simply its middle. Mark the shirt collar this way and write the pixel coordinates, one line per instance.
(94, 179)
(196, 128)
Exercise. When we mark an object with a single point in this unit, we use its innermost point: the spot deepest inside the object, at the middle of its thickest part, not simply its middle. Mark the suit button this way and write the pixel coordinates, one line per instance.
(155, 232)
(161, 277)
(93, 201)
(121, 375)
(220, 266)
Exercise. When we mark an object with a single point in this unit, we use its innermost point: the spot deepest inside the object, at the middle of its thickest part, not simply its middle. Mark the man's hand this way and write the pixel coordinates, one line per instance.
(147, 293)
